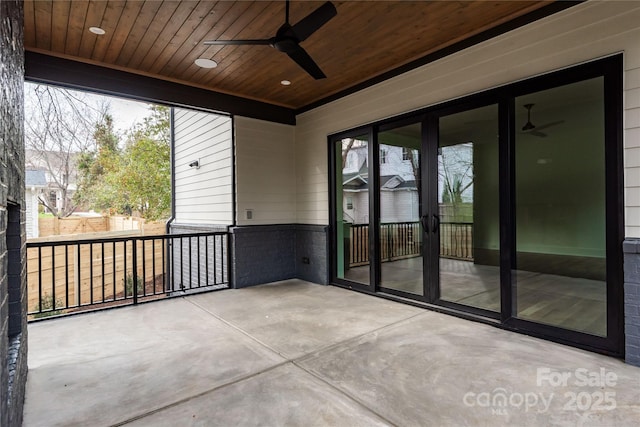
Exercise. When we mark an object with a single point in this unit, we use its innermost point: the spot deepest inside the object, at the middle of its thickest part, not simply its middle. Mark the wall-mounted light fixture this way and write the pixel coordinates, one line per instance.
(195, 164)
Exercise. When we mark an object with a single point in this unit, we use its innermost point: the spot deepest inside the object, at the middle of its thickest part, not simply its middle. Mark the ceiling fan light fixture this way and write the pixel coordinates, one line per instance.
(206, 63)
(97, 31)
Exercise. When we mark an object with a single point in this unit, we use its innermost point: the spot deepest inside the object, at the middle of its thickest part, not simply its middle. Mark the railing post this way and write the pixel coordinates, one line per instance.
(134, 251)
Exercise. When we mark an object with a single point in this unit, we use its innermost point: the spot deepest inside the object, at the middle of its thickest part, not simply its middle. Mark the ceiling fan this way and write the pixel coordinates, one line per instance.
(288, 37)
(534, 130)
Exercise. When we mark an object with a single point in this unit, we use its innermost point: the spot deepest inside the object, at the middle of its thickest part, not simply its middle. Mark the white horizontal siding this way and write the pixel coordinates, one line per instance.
(579, 34)
(266, 172)
(203, 195)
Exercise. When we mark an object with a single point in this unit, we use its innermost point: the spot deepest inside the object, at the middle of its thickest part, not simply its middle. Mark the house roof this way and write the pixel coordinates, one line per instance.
(366, 42)
(35, 178)
(356, 182)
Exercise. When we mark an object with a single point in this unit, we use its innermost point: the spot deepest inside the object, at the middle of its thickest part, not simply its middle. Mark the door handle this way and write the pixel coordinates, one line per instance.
(424, 219)
(436, 224)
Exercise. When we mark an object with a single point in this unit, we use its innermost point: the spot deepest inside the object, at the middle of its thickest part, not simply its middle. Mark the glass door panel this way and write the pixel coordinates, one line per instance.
(352, 209)
(560, 276)
(468, 208)
(400, 193)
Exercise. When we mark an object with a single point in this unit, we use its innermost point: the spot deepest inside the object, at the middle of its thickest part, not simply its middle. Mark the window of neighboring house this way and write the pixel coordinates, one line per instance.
(52, 198)
(383, 156)
(350, 161)
(406, 153)
(349, 203)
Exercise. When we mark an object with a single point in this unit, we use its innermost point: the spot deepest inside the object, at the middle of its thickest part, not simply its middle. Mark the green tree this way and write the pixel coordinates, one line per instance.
(136, 177)
(95, 166)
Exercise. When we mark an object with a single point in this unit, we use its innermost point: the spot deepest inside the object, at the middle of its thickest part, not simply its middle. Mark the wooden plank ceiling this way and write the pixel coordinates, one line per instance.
(162, 39)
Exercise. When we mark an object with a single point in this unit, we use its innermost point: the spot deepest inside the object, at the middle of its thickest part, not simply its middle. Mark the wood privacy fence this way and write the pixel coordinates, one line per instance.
(72, 225)
(54, 226)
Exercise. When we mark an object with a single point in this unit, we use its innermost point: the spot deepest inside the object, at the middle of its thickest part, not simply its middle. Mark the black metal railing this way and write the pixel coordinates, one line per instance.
(79, 275)
(404, 240)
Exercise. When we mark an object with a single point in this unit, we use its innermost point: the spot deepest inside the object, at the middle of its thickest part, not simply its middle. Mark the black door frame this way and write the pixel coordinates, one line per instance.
(611, 69)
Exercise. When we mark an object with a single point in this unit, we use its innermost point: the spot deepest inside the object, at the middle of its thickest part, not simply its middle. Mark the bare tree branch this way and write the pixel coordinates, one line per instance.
(59, 126)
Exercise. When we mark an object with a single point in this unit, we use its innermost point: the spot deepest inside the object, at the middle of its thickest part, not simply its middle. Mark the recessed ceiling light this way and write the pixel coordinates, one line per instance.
(97, 30)
(285, 83)
(206, 63)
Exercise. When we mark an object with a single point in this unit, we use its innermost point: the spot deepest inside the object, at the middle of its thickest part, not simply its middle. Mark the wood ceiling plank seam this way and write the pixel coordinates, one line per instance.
(110, 22)
(75, 27)
(29, 23)
(177, 20)
(154, 28)
(179, 68)
(188, 70)
(263, 24)
(93, 19)
(225, 56)
(60, 27)
(485, 26)
(237, 59)
(121, 32)
(221, 52)
(43, 19)
(136, 33)
(187, 52)
(183, 35)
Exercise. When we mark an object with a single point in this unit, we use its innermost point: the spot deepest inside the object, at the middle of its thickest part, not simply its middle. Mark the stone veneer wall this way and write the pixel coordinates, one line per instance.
(13, 319)
(631, 248)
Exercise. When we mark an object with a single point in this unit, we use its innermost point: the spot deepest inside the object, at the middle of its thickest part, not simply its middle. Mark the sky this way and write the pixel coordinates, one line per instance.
(126, 112)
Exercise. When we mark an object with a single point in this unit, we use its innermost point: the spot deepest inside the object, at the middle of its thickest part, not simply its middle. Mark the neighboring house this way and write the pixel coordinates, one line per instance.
(399, 196)
(61, 175)
(35, 183)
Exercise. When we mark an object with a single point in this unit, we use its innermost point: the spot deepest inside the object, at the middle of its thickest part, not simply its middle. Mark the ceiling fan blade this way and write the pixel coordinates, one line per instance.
(312, 22)
(538, 134)
(239, 42)
(548, 125)
(302, 58)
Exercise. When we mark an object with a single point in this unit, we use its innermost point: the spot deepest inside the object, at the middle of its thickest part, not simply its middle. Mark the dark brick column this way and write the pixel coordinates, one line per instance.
(631, 249)
(13, 324)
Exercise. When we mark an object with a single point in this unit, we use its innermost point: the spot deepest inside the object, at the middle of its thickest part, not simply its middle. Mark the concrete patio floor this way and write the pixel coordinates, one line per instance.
(297, 354)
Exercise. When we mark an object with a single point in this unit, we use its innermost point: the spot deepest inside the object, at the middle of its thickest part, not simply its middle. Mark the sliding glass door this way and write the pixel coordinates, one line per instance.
(468, 208)
(401, 235)
(352, 209)
(505, 204)
(560, 212)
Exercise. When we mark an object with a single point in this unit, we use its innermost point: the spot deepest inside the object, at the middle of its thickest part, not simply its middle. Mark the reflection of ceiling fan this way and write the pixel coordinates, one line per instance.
(534, 130)
(288, 37)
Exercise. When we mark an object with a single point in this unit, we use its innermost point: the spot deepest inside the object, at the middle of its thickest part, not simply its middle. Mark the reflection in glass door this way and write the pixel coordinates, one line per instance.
(512, 211)
(560, 208)
(400, 195)
(352, 209)
(468, 208)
